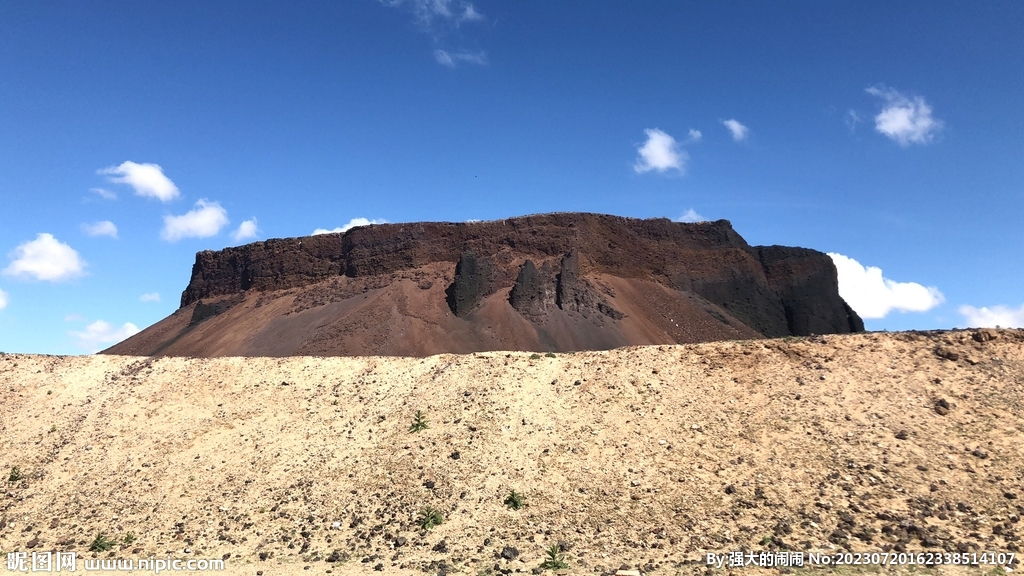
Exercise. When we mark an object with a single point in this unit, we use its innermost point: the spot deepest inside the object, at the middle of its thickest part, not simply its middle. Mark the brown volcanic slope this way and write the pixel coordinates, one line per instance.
(645, 456)
(555, 282)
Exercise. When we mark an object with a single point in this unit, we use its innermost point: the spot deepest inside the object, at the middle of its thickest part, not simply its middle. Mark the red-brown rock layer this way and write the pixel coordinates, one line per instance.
(553, 282)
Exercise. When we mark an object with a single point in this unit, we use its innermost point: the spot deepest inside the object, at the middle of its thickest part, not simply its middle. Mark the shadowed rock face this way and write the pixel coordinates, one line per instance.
(532, 294)
(549, 282)
(470, 284)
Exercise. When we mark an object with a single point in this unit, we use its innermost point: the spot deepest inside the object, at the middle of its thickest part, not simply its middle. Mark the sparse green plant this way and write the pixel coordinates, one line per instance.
(419, 422)
(48, 392)
(53, 428)
(101, 543)
(430, 517)
(128, 538)
(15, 474)
(534, 356)
(549, 355)
(334, 402)
(514, 500)
(555, 559)
(766, 540)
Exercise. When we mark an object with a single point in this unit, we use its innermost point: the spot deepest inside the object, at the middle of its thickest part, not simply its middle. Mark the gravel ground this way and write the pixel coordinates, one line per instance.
(644, 458)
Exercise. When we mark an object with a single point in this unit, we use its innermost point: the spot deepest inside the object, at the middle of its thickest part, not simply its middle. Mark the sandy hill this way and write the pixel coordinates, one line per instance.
(553, 282)
(647, 457)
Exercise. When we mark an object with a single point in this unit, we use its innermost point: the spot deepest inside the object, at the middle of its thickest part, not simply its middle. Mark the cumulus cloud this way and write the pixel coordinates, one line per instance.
(147, 180)
(873, 296)
(150, 297)
(694, 136)
(739, 131)
(203, 221)
(103, 193)
(660, 153)
(3, 300)
(691, 216)
(1002, 316)
(453, 59)
(904, 119)
(246, 230)
(100, 334)
(102, 228)
(351, 224)
(45, 258)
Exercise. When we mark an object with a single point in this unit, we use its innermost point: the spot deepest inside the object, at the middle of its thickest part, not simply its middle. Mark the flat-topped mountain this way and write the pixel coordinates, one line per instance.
(553, 282)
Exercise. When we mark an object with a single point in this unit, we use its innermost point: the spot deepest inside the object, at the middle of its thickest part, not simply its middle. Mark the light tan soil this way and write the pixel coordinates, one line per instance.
(647, 457)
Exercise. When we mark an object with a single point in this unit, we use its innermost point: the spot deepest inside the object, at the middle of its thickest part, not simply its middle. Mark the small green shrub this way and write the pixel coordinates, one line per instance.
(555, 559)
(101, 543)
(514, 500)
(549, 355)
(128, 538)
(15, 474)
(430, 517)
(534, 356)
(419, 422)
(53, 428)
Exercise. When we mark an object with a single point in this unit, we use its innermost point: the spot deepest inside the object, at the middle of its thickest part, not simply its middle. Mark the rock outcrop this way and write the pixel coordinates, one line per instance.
(548, 282)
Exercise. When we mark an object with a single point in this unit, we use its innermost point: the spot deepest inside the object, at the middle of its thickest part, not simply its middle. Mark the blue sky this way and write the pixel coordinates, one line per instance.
(133, 135)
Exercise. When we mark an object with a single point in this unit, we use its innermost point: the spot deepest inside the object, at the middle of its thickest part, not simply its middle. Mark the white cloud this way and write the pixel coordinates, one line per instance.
(103, 193)
(1002, 316)
(103, 228)
(351, 224)
(440, 19)
(429, 11)
(691, 216)
(903, 119)
(203, 221)
(469, 14)
(3, 300)
(739, 131)
(873, 296)
(246, 230)
(99, 334)
(452, 59)
(150, 297)
(147, 180)
(45, 258)
(695, 136)
(660, 153)
(852, 118)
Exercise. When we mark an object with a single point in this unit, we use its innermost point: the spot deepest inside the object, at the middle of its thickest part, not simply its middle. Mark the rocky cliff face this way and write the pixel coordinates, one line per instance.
(547, 282)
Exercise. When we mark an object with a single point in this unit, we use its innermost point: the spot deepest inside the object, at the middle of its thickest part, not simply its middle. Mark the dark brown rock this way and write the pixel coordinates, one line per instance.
(553, 282)
(470, 285)
(532, 294)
